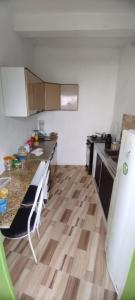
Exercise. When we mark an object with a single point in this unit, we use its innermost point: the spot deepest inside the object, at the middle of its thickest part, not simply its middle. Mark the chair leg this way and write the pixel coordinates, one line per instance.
(38, 233)
(32, 249)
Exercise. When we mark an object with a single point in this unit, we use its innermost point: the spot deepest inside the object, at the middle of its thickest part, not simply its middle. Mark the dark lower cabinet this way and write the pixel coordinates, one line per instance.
(105, 189)
(53, 166)
(98, 171)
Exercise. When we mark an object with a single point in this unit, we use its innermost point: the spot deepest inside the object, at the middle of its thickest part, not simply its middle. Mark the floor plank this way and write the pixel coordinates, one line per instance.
(71, 257)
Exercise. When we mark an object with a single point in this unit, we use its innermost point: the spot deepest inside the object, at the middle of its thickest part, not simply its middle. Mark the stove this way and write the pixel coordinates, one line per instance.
(90, 147)
(96, 138)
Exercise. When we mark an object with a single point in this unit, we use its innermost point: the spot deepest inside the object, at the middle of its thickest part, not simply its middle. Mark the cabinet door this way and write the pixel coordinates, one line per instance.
(98, 170)
(14, 91)
(105, 189)
(35, 92)
(52, 96)
(53, 161)
(94, 162)
(69, 96)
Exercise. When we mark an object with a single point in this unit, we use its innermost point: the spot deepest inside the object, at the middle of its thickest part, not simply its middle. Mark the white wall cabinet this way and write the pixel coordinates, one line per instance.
(23, 92)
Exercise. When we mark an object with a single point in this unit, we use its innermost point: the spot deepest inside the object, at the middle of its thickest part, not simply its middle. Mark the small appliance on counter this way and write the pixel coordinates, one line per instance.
(96, 138)
(108, 141)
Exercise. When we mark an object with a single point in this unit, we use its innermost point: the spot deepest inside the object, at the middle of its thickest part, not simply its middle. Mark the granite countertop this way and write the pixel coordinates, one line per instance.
(20, 180)
(109, 163)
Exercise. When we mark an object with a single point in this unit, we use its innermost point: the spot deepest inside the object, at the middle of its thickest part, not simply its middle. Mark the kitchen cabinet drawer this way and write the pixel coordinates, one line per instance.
(23, 92)
(52, 96)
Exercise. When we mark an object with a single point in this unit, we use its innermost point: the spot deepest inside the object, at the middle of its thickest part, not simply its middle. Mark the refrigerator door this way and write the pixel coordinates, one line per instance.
(120, 241)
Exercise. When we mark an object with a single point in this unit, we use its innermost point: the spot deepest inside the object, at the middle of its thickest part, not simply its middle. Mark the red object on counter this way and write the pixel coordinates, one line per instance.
(30, 142)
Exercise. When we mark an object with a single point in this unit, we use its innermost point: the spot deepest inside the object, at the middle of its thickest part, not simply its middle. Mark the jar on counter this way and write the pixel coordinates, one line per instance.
(8, 162)
(115, 146)
(16, 163)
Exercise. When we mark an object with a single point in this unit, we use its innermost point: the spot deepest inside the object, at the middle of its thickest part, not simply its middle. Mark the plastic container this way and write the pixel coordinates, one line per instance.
(8, 162)
(3, 205)
(27, 147)
(22, 151)
(16, 163)
(3, 193)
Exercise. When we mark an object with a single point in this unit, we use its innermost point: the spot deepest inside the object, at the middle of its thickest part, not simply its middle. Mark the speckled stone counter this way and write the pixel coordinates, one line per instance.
(20, 180)
(109, 163)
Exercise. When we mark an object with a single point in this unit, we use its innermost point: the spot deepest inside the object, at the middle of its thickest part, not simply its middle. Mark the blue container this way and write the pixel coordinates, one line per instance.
(22, 157)
(3, 206)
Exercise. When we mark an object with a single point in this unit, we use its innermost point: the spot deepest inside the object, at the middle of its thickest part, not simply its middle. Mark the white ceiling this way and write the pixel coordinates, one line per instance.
(35, 20)
(114, 6)
(82, 42)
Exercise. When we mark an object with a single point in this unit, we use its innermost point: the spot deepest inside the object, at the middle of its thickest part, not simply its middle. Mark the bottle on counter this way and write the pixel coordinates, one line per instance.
(36, 142)
(3, 200)
(30, 142)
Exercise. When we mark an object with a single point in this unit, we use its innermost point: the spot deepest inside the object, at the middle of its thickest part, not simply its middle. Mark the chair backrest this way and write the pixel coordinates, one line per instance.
(39, 197)
(39, 174)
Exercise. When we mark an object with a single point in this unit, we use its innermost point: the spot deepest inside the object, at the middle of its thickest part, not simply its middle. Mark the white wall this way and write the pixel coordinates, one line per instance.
(13, 52)
(96, 72)
(125, 94)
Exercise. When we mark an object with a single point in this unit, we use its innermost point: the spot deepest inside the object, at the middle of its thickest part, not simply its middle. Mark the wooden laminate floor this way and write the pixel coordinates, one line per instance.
(70, 249)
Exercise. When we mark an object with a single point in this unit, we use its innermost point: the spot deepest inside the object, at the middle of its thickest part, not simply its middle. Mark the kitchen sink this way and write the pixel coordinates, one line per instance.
(114, 154)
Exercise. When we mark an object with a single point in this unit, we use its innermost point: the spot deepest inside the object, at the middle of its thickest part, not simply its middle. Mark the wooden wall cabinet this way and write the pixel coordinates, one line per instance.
(61, 96)
(52, 96)
(69, 97)
(35, 92)
(23, 92)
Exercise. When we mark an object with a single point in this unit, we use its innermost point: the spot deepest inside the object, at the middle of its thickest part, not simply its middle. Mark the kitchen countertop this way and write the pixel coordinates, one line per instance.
(109, 163)
(20, 180)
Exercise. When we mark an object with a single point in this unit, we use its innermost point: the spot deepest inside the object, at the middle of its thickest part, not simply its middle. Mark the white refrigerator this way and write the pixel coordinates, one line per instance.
(120, 242)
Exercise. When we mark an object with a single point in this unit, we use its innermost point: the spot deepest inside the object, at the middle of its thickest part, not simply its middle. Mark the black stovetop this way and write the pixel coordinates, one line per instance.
(96, 139)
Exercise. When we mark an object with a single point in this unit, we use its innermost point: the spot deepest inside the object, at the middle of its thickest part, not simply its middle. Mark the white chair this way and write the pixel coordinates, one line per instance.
(27, 220)
(30, 194)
